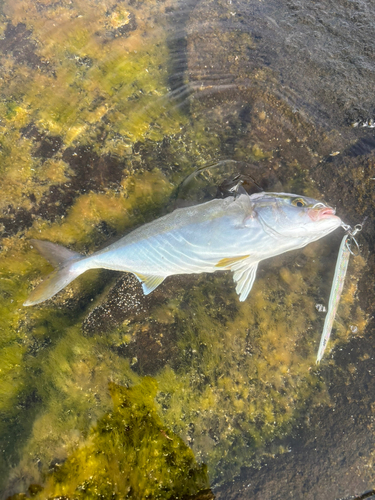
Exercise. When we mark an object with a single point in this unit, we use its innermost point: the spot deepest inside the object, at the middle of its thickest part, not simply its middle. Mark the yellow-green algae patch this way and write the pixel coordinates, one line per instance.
(245, 377)
(87, 82)
(101, 65)
(129, 454)
(70, 377)
(36, 343)
(140, 197)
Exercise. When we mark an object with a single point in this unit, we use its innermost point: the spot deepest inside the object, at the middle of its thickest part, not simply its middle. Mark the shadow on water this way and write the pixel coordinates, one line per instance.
(113, 114)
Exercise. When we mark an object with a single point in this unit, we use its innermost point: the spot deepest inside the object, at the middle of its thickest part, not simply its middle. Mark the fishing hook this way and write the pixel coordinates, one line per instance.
(351, 233)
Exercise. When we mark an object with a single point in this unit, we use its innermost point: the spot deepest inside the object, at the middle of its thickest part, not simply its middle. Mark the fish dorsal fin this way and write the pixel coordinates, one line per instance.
(149, 282)
(238, 189)
(244, 276)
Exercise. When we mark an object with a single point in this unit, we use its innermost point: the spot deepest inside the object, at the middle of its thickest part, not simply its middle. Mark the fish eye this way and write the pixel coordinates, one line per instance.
(299, 202)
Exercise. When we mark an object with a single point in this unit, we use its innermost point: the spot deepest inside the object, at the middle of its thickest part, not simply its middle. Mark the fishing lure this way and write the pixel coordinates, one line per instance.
(338, 283)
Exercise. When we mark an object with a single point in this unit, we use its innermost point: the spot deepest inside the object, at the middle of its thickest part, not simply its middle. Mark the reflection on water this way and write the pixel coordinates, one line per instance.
(105, 109)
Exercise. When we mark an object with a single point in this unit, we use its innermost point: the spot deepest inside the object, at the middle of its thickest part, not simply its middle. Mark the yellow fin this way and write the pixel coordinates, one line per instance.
(149, 282)
(228, 262)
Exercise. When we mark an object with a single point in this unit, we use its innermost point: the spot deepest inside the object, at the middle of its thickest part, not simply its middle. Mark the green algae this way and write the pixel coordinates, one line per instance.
(93, 81)
(242, 384)
(129, 454)
(30, 337)
(87, 83)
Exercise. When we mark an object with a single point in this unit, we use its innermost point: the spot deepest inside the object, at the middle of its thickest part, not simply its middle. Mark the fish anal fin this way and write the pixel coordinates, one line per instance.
(244, 277)
(228, 262)
(149, 281)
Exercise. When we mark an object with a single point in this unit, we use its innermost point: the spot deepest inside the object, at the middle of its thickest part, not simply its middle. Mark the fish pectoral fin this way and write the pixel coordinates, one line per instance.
(244, 276)
(149, 282)
(230, 262)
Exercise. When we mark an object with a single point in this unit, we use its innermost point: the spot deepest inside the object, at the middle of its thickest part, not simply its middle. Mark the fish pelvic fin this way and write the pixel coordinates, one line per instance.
(244, 276)
(65, 272)
(149, 282)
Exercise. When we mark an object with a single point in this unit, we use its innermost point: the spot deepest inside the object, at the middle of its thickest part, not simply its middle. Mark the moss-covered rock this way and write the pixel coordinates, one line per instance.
(129, 454)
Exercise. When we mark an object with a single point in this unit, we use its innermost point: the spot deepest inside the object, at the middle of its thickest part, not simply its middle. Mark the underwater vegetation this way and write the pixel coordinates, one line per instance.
(128, 454)
(246, 370)
(90, 148)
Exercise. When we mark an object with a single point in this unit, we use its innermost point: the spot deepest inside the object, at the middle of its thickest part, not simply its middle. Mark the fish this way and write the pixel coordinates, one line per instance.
(230, 234)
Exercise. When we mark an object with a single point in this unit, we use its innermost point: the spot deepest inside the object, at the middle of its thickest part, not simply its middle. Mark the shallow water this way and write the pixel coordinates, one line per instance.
(107, 111)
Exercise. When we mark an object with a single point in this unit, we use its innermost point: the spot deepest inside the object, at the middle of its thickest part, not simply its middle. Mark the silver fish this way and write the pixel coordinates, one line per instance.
(234, 234)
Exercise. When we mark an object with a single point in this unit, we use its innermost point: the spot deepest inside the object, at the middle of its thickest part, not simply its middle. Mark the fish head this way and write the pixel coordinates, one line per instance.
(293, 216)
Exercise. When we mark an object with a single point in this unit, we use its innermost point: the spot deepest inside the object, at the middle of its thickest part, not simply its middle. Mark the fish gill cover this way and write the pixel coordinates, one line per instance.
(90, 148)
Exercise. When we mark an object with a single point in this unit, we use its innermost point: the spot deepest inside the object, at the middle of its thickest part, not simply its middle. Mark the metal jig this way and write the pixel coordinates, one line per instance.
(338, 281)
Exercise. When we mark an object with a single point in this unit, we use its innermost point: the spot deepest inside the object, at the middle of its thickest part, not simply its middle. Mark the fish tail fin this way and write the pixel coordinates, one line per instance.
(65, 272)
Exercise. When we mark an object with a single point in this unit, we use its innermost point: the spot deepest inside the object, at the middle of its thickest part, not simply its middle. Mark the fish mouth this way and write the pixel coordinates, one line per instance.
(322, 213)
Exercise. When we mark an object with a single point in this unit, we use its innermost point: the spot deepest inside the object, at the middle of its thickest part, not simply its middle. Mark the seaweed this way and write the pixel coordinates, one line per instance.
(129, 453)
